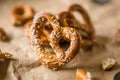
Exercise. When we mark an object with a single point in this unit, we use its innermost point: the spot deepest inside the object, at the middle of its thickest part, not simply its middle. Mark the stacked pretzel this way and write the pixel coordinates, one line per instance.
(47, 30)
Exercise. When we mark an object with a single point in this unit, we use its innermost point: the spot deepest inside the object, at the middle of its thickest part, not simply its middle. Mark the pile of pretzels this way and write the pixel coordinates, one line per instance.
(48, 30)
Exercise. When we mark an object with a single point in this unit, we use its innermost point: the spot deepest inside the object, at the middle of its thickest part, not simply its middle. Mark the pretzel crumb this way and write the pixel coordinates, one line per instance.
(108, 63)
(83, 74)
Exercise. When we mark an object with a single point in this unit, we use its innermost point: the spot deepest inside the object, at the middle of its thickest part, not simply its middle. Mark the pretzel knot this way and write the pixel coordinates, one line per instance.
(86, 29)
(21, 14)
(60, 56)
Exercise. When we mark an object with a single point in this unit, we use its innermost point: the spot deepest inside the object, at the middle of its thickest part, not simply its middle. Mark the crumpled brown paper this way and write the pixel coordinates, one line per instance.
(105, 18)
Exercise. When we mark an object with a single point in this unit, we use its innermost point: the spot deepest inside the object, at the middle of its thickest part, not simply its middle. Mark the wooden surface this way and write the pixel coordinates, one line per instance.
(106, 20)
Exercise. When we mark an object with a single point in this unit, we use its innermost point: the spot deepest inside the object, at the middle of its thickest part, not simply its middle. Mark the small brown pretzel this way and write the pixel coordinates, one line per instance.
(60, 57)
(3, 36)
(21, 14)
(86, 29)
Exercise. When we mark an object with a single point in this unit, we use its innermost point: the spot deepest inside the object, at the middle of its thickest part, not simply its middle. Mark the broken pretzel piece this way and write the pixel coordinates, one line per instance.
(83, 75)
(108, 63)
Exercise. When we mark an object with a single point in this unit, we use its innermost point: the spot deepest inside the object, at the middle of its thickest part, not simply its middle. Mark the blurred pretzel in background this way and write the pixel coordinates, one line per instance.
(21, 14)
(86, 29)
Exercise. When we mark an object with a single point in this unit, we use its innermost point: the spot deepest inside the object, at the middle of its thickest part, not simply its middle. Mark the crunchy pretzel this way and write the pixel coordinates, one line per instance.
(21, 14)
(86, 29)
(60, 57)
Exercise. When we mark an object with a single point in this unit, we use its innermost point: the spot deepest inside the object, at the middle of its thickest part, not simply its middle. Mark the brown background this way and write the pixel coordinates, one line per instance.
(105, 18)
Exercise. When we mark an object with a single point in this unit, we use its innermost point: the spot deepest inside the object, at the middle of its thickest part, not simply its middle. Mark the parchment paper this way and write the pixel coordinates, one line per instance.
(105, 18)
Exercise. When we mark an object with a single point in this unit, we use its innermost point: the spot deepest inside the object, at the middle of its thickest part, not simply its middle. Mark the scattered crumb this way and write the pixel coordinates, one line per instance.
(108, 63)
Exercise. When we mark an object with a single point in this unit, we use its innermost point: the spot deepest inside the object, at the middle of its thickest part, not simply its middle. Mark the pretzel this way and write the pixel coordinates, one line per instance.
(21, 14)
(3, 36)
(86, 29)
(60, 57)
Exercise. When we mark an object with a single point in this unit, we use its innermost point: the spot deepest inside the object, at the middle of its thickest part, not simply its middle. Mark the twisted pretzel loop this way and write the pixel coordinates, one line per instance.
(86, 29)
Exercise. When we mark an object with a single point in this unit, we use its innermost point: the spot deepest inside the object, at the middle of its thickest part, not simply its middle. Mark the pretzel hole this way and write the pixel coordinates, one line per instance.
(84, 35)
(71, 23)
(19, 11)
(64, 44)
(79, 17)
